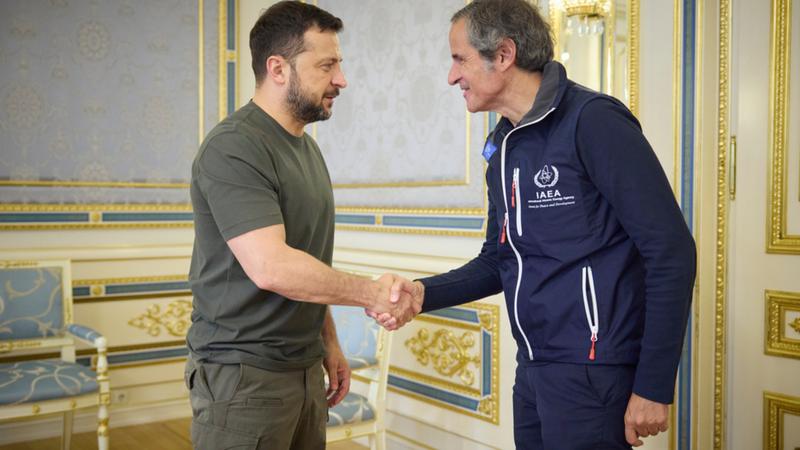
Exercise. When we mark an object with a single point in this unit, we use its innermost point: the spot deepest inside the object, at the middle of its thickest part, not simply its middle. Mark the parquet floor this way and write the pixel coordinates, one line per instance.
(168, 435)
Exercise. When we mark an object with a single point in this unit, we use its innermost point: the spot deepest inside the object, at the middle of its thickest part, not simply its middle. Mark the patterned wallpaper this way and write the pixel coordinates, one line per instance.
(102, 91)
(398, 122)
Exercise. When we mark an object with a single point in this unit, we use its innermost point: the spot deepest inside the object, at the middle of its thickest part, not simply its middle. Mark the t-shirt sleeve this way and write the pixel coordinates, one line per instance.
(239, 182)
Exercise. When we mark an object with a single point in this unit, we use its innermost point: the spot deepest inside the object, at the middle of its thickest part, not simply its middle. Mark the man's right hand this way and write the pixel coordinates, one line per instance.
(406, 296)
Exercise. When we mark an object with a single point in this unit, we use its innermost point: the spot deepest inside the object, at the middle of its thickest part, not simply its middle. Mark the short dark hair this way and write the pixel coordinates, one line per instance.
(279, 31)
(488, 22)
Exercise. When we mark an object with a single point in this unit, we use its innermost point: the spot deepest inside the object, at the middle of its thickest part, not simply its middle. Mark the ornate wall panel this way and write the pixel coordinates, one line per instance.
(399, 135)
(782, 313)
(451, 360)
(783, 226)
(781, 421)
(103, 106)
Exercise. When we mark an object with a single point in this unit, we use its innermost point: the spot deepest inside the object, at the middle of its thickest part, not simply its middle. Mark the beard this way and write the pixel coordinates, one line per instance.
(303, 106)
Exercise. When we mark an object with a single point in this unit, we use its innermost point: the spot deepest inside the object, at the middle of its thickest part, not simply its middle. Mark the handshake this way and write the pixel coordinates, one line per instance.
(397, 302)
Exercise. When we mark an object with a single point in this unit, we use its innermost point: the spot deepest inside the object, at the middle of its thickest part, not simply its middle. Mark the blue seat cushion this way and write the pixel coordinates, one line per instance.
(352, 410)
(34, 381)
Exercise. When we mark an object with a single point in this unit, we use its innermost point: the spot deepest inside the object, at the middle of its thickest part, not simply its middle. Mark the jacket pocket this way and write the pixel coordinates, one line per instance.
(590, 307)
(516, 200)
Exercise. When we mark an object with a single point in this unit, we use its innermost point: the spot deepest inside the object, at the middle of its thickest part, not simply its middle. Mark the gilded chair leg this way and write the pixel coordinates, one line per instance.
(66, 432)
(102, 427)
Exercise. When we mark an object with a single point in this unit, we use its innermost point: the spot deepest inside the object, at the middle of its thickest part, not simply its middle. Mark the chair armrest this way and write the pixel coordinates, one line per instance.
(87, 335)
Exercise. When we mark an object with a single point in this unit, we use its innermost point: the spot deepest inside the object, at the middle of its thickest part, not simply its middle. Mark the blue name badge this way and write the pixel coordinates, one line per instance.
(489, 149)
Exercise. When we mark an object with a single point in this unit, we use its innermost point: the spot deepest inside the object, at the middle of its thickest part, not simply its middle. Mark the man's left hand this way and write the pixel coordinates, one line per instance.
(338, 374)
(644, 418)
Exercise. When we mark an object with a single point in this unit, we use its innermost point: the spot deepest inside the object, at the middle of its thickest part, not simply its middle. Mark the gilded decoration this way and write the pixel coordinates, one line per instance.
(777, 305)
(778, 238)
(776, 408)
(721, 239)
(449, 355)
(174, 318)
(795, 324)
(478, 399)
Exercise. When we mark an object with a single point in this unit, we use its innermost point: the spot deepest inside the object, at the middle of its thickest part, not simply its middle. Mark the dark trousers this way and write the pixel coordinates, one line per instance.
(236, 406)
(560, 406)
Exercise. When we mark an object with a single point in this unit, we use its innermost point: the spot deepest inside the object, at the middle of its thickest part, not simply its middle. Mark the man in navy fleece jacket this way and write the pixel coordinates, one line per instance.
(584, 237)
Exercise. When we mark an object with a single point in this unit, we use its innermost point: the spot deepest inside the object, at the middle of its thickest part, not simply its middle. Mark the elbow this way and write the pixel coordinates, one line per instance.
(264, 283)
(266, 280)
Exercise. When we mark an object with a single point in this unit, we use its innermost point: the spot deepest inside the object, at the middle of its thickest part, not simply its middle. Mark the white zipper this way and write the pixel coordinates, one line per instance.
(518, 195)
(591, 318)
(508, 231)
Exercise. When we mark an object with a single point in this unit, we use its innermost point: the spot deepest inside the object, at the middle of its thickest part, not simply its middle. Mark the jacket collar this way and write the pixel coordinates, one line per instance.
(554, 84)
(551, 91)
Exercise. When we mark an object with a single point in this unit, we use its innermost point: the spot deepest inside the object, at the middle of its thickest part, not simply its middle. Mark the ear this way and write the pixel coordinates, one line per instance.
(506, 54)
(278, 69)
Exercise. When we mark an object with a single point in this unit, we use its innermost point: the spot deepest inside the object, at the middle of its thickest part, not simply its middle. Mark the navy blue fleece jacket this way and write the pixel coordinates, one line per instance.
(585, 238)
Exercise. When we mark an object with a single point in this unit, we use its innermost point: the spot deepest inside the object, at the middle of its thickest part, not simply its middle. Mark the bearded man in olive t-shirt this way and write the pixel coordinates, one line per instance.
(260, 274)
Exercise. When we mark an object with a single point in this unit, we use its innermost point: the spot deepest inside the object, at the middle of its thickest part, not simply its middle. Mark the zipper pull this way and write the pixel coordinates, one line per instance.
(591, 351)
(503, 233)
(514, 191)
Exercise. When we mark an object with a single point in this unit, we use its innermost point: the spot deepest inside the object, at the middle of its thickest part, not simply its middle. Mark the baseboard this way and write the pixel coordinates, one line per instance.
(86, 420)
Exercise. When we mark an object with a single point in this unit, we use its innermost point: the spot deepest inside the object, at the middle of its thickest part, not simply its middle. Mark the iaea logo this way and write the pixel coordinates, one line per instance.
(546, 177)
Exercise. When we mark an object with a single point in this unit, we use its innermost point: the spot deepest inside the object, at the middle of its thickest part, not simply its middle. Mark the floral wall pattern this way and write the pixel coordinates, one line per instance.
(97, 95)
(399, 135)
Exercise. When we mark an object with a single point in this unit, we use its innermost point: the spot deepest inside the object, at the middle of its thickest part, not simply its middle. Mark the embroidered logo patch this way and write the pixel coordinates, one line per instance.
(548, 196)
(546, 177)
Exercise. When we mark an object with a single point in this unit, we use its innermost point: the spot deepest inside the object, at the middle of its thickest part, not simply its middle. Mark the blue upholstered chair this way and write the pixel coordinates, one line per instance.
(36, 313)
(366, 346)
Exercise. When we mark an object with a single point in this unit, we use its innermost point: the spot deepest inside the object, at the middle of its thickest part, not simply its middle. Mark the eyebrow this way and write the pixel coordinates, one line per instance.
(330, 60)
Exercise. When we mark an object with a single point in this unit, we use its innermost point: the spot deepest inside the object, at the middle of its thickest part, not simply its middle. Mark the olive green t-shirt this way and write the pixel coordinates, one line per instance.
(250, 173)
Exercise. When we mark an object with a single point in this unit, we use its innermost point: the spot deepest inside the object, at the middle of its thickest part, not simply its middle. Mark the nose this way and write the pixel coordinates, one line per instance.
(339, 81)
(454, 75)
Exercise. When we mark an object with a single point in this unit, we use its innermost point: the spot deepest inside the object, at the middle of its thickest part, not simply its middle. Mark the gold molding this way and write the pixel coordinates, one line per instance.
(721, 270)
(778, 238)
(633, 56)
(128, 280)
(431, 211)
(677, 53)
(222, 33)
(776, 406)
(699, 238)
(434, 320)
(776, 304)
(88, 207)
(398, 230)
(201, 80)
(227, 56)
(94, 184)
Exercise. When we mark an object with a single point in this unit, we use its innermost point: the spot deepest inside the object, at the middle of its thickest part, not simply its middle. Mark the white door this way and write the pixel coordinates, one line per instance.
(763, 288)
